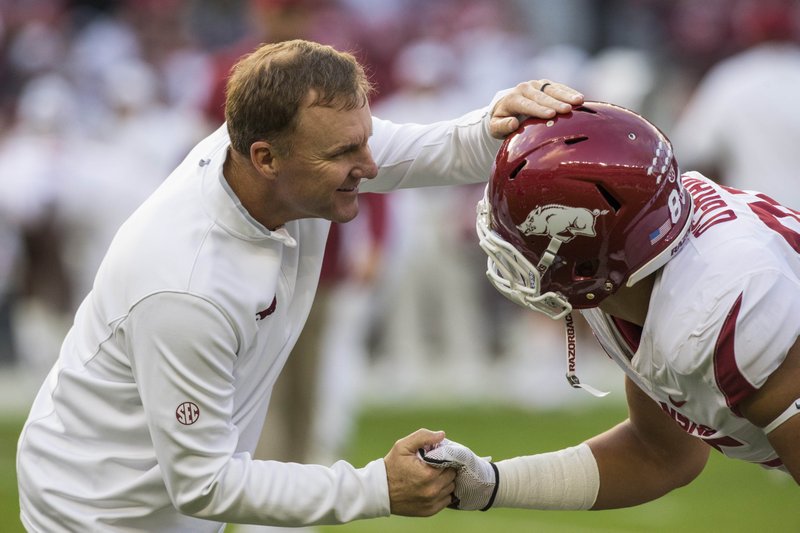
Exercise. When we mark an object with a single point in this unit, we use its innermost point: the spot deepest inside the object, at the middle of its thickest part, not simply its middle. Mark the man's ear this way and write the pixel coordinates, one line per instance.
(262, 156)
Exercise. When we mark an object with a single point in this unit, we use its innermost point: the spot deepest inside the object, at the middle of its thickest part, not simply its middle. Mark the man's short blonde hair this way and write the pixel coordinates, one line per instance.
(267, 87)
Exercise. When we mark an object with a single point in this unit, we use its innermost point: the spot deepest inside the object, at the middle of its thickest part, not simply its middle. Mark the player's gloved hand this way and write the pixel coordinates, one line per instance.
(477, 477)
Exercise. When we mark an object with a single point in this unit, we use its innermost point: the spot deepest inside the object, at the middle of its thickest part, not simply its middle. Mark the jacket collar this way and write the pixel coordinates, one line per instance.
(222, 204)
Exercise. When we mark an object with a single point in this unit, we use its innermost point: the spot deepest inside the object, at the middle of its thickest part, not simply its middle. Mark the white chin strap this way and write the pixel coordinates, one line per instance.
(517, 279)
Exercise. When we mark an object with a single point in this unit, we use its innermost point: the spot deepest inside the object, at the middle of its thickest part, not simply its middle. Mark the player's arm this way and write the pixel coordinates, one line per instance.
(644, 457)
(774, 407)
(634, 462)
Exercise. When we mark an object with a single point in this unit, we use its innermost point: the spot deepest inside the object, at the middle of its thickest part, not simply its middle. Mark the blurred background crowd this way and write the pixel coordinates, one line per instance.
(100, 99)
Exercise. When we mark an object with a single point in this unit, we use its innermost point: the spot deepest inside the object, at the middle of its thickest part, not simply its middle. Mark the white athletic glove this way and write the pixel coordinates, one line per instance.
(477, 478)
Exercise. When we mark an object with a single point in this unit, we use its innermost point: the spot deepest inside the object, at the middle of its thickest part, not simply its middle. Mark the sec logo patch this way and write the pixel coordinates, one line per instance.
(187, 413)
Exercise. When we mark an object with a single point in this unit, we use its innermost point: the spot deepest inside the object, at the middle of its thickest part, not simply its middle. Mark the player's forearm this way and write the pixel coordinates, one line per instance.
(612, 470)
(564, 480)
(633, 471)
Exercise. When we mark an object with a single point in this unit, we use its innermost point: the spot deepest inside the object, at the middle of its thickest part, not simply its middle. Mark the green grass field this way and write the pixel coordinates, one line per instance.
(9, 506)
(729, 496)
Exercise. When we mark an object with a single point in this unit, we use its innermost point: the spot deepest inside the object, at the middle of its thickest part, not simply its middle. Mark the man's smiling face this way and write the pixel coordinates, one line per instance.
(328, 157)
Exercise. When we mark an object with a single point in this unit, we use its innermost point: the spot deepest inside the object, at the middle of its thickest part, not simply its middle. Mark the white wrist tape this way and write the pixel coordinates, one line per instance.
(790, 411)
(567, 479)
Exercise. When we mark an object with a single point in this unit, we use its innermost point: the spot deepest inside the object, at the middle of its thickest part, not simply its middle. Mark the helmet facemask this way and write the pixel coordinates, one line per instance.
(510, 272)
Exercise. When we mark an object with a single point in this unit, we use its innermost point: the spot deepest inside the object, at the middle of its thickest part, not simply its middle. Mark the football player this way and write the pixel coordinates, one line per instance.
(692, 288)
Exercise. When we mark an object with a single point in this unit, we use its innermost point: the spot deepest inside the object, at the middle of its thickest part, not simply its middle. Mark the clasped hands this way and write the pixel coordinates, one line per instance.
(476, 478)
(426, 473)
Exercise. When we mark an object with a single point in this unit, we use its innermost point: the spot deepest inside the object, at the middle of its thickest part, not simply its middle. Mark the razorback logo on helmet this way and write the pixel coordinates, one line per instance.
(561, 222)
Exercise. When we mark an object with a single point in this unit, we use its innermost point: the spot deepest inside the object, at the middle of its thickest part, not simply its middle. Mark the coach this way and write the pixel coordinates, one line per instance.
(150, 416)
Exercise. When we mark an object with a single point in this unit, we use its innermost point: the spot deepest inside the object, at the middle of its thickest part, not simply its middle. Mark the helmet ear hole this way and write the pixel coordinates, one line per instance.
(586, 269)
(516, 171)
(576, 140)
(609, 198)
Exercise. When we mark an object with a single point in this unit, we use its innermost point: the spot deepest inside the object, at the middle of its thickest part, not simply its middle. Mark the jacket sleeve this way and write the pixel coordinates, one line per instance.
(184, 349)
(451, 152)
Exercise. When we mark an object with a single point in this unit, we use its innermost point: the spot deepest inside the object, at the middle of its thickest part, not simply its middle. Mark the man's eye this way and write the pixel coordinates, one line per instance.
(342, 153)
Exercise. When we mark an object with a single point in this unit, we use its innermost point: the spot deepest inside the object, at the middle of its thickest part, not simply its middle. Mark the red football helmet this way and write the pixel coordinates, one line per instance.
(579, 204)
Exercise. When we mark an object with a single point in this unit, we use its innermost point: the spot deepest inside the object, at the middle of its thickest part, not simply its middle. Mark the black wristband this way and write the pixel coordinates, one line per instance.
(496, 484)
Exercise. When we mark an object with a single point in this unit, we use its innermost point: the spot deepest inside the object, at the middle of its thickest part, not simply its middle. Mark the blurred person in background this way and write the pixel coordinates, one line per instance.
(150, 416)
(491, 42)
(34, 154)
(690, 37)
(158, 34)
(749, 147)
(428, 321)
(352, 270)
(86, 94)
(693, 289)
(135, 141)
(33, 38)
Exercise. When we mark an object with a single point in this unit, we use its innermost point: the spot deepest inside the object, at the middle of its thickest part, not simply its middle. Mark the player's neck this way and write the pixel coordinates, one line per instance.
(631, 303)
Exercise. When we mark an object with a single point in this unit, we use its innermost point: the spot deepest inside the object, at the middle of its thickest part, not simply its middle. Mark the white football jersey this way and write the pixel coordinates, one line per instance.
(723, 314)
(150, 416)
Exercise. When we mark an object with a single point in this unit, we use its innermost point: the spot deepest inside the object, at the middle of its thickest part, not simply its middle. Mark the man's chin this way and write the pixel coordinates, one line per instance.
(342, 217)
